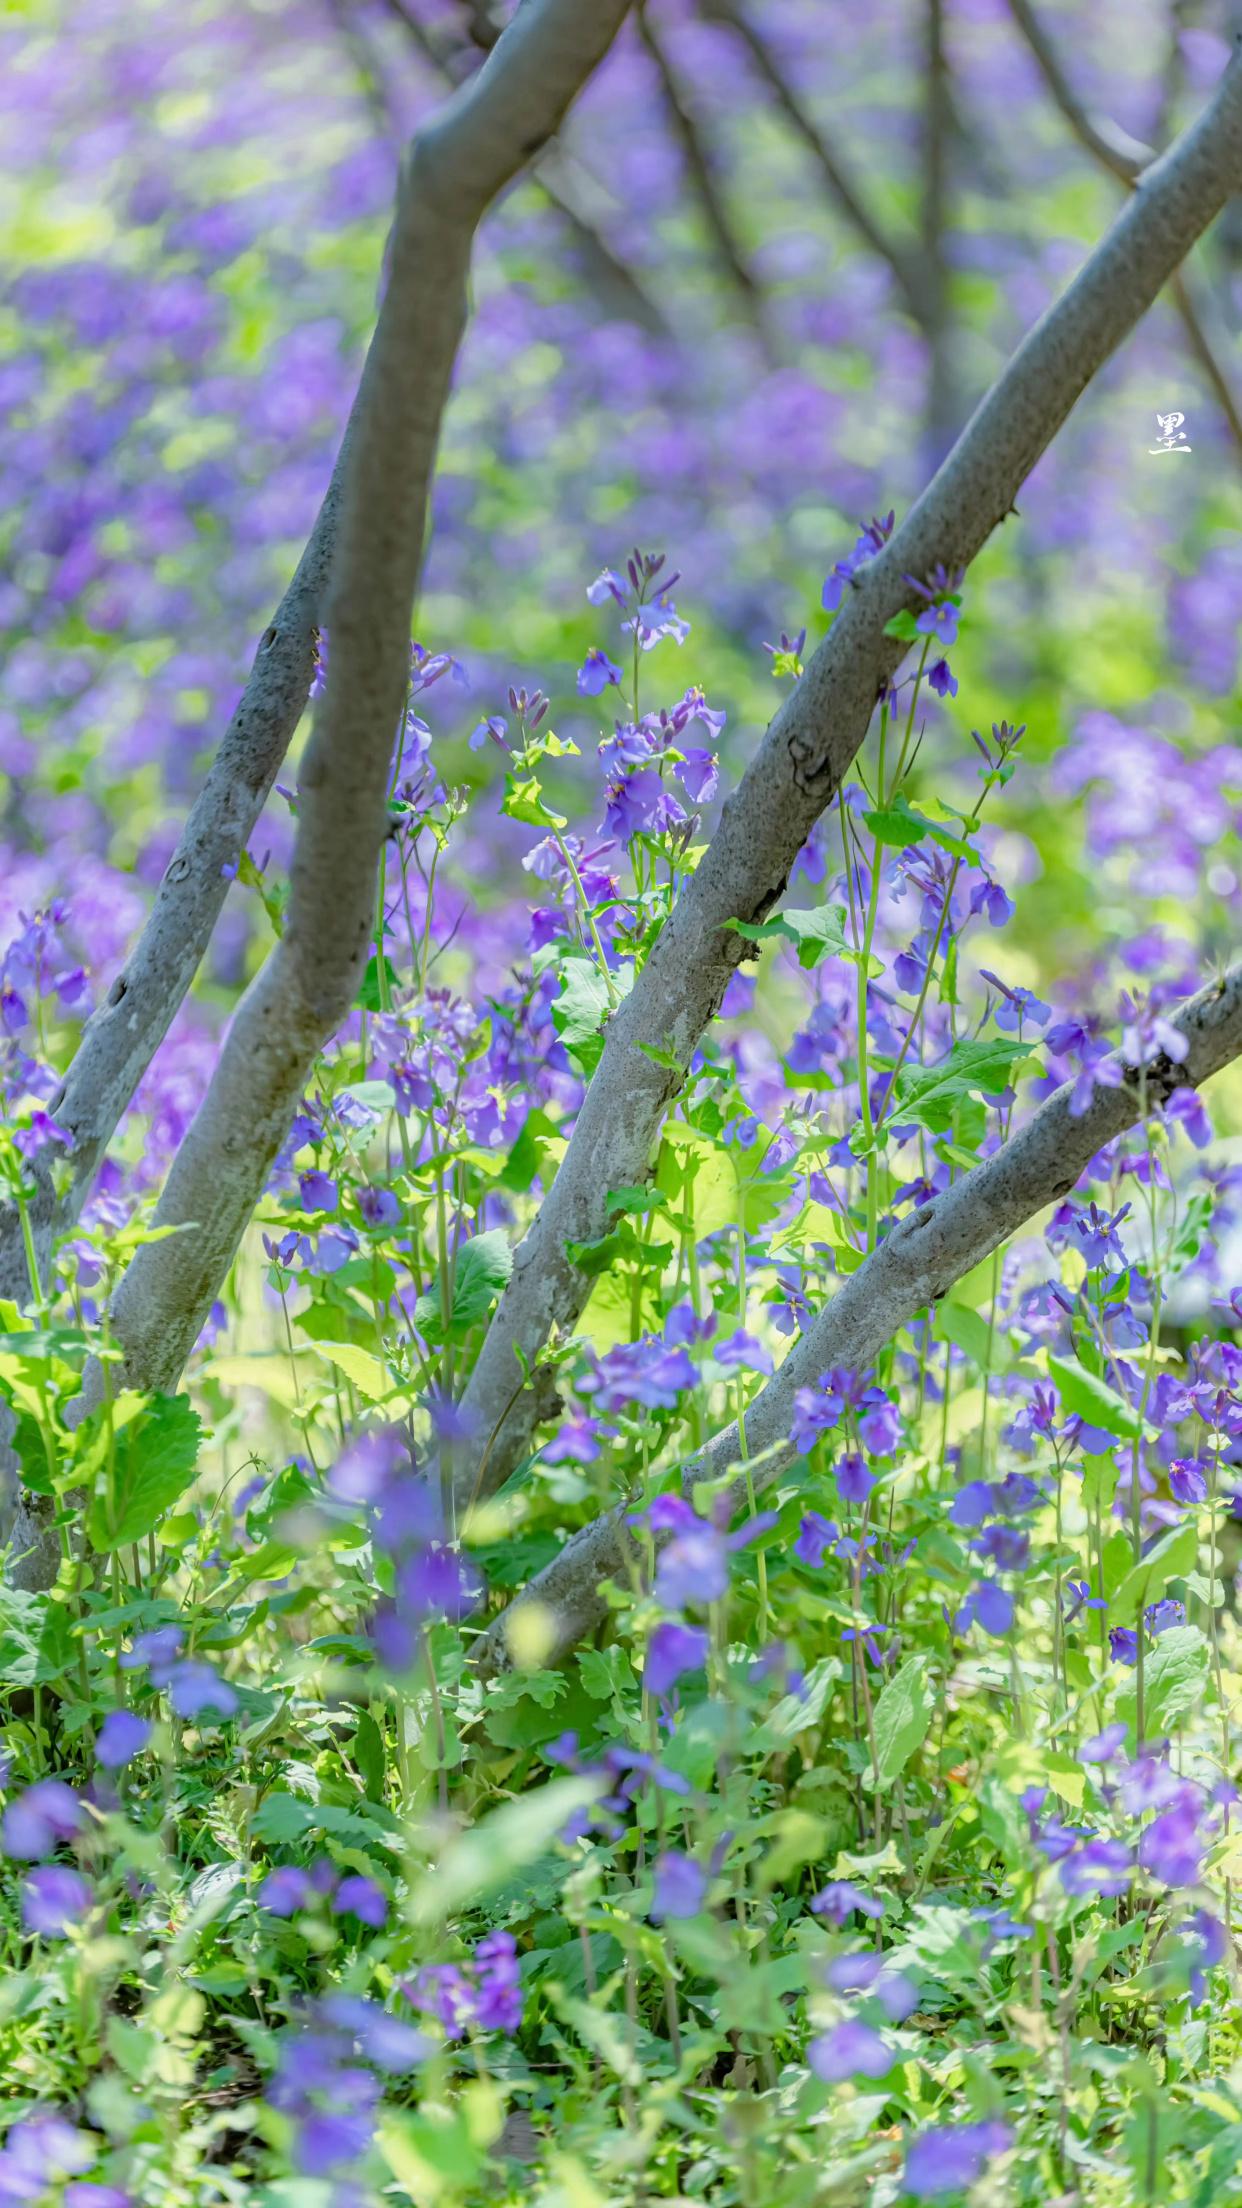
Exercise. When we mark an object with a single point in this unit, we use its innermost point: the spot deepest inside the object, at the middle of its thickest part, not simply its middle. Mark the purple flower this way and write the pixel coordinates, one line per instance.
(879, 1428)
(840, 1897)
(1170, 1847)
(1187, 1110)
(53, 1899)
(949, 2157)
(319, 1191)
(698, 774)
(854, 1477)
(1105, 1746)
(195, 1690)
(498, 1999)
(379, 1207)
(1097, 1867)
(48, 1812)
(672, 1651)
(693, 1568)
(817, 1537)
(988, 1605)
(939, 621)
(121, 1737)
(596, 672)
(849, 2050)
(576, 1441)
(942, 679)
(358, 1896)
(680, 1886)
(285, 1890)
(874, 534)
(1208, 1945)
(1188, 1479)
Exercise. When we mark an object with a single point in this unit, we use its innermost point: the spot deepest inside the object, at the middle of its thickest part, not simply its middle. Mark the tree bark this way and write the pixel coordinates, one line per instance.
(916, 1263)
(806, 752)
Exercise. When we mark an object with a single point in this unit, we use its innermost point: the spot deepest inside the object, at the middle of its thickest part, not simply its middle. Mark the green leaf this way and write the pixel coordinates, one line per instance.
(898, 824)
(903, 1716)
(903, 625)
(969, 1331)
(370, 1756)
(155, 1454)
(35, 1644)
(369, 998)
(1175, 1670)
(483, 1266)
(523, 800)
(507, 1840)
(1174, 1554)
(930, 1095)
(369, 1374)
(1092, 1400)
(796, 1713)
(579, 1012)
(816, 932)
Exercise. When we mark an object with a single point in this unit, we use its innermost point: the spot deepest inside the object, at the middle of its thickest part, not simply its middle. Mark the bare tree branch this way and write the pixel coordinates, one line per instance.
(808, 748)
(701, 175)
(940, 408)
(842, 186)
(121, 1038)
(911, 1269)
(452, 172)
(1129, 162)
(614, 284)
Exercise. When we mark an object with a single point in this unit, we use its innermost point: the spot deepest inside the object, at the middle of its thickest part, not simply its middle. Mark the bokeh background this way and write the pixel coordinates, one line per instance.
(682, 339)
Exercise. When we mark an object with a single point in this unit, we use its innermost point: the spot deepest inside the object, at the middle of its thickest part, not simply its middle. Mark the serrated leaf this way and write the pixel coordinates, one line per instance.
(816, 932)
(1175, 1670)
(154, 1456)
(931, 1095)
(368, 1374)
(35, 1645)
(582, 1007)
(483, 1266)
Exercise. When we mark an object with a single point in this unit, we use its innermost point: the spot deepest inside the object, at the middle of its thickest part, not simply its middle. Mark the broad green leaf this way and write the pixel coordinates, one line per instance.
(796, 1713)
(369, 997)
(483, 1266)
(154, 1457)
(903, 1715)
(930, 1095)
(1174, 1554)
(486, 1854)
(368, 1374)
(969, 1330)
(898, 824)
(1092, 1400)
(582, 1007)
(1175, 1671)
(816, 933)
(35, 1644)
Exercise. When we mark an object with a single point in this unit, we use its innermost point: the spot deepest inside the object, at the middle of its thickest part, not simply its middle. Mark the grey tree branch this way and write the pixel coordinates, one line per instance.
(842, 186)
(940, 406)
(1129, 163)
(911, 1269)
(808, 748)
(701, 175)
(121, 1038)
(615, 285)
(452, 172)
